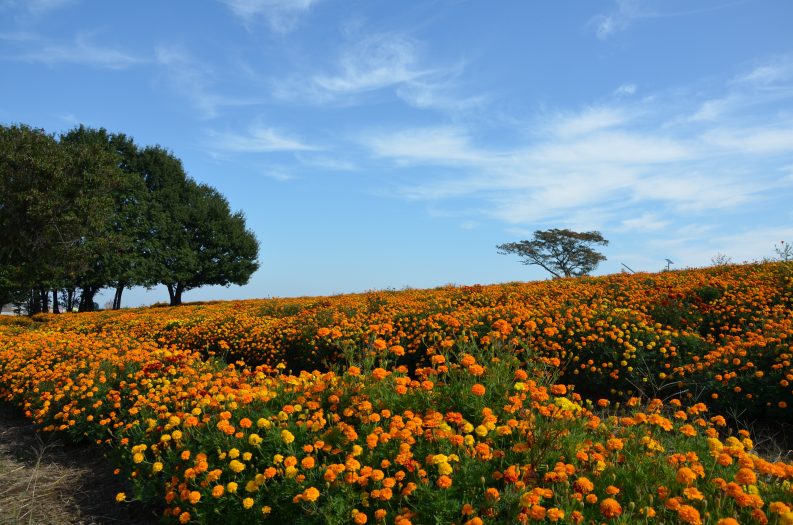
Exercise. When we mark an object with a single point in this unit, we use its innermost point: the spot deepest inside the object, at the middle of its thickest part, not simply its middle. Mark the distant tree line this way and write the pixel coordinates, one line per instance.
(88, 210)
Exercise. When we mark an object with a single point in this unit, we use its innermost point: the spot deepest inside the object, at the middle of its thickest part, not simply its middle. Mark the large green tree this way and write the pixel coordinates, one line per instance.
(197, 240)
(104, 202)
(37, 229)
(563, 253)
(125, 257)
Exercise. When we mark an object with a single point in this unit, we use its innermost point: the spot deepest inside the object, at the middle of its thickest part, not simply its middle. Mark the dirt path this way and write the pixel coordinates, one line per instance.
(45, 481)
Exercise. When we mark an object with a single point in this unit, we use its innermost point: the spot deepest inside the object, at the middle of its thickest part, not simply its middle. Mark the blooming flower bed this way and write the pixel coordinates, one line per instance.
(479, 420)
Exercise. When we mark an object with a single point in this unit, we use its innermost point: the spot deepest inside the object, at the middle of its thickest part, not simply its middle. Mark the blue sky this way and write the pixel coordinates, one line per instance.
(377, 144)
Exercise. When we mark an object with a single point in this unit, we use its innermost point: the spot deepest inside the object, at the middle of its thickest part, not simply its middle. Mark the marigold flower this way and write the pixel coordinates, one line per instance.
(478, 389)
(689, 514)
(686, 476)
(444, 482)
(610, 508)
(745, 476)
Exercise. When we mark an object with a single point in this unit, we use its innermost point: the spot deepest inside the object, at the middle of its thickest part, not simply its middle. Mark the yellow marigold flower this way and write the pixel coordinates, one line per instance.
(195, 497)
(444, 469)
(137, 457)
(287, 437)
(121, 497)
(247, 503)
(234, 453)
(156, 466)
(231, 487)
(267, 510)
(237, 466)
(255, 440)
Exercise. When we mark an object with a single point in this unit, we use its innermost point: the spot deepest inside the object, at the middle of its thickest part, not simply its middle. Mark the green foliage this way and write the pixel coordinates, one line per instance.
(92, 210)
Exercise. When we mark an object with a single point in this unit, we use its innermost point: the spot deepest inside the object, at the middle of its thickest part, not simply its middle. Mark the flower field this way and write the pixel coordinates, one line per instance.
(593, 400)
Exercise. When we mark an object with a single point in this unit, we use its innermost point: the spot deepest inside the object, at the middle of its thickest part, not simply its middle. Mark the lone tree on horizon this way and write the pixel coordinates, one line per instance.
(563, 253)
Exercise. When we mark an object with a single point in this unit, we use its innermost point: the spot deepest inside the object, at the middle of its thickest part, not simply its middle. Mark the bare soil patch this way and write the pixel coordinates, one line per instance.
(44, 480)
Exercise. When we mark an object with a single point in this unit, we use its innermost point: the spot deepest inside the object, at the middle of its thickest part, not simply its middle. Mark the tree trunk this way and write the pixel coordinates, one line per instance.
(117, 298)
(34, 304)
(175, 293)
(55, 306)
(70, 299)
(45, 300)
(87, 299)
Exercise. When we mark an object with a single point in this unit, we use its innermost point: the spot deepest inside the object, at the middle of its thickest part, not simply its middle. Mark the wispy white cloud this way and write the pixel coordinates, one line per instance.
(626, 12)
(258, 139)
(390, 62)
(588, 121)
(778, 70)
(196, 80)
(281, 15)
(326, 162)
(775, 139)
(34, 7)
(372, 63)
(605, 164)
(81, 51)
(646, 222)
(626, 89)
(445, 145)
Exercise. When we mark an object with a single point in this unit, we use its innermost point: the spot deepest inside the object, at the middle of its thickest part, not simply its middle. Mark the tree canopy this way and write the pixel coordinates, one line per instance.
(90, 209)
(561, 252)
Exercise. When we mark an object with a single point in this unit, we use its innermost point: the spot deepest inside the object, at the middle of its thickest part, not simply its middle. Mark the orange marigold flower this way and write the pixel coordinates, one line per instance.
(693, 493)
(610, 508)
(310, 494)
(583, 485)
(686, 476)
(537, 512)
(444, 482)
(478, 389)
(689, 514)
(745, 476)
(555, 514)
